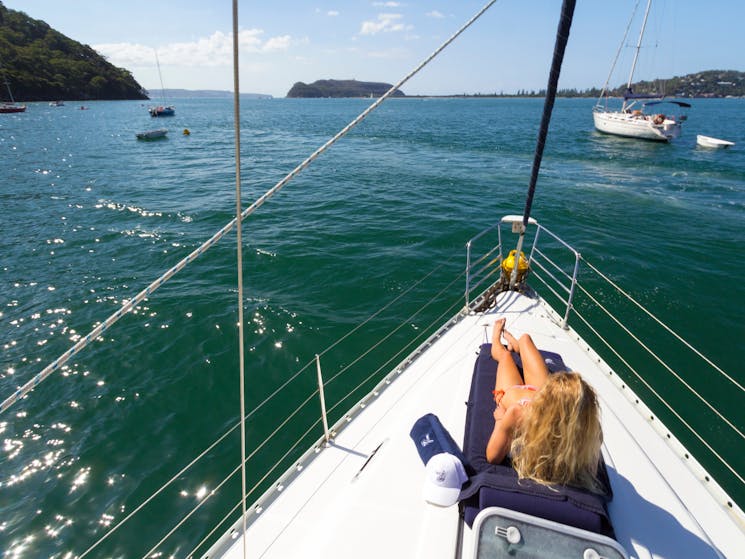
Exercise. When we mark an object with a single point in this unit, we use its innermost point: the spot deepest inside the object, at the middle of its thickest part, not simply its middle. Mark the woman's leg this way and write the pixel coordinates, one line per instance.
(534, 367)
(507, 372)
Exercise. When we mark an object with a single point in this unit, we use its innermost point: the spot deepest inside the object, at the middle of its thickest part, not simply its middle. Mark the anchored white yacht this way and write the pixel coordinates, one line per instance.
(633, 120)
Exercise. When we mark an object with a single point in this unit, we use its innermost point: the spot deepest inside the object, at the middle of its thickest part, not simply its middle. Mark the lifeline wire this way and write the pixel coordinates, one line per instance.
(132, 303)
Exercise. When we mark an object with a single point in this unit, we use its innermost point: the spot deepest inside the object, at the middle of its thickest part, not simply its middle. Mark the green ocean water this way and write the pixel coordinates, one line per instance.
(90, 216)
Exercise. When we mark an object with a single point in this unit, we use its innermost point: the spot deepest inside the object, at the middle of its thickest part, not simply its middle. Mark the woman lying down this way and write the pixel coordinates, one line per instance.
(549, 424)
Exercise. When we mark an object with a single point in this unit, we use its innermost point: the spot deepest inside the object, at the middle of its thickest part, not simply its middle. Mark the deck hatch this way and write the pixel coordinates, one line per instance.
(502, 533)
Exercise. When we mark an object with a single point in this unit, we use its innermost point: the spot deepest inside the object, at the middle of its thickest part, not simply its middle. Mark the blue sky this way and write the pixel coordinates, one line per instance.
(284, 41)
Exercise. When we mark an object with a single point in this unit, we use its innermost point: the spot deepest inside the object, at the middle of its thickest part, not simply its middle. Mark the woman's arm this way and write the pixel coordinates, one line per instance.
(501, 437)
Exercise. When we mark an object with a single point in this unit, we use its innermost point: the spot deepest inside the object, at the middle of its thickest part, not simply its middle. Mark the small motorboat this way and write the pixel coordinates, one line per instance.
(156, 134)
(709, 142)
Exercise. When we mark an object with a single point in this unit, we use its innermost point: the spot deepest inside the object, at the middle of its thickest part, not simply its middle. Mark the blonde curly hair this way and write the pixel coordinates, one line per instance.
(558, 438)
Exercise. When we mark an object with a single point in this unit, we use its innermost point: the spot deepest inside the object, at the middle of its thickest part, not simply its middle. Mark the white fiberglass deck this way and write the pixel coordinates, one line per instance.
(337, 508)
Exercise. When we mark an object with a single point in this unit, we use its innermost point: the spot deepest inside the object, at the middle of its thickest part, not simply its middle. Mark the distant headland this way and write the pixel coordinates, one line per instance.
(709, 83)
(341, 88)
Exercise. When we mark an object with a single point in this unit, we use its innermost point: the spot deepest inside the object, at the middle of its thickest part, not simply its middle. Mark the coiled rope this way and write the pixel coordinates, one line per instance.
(142, 295)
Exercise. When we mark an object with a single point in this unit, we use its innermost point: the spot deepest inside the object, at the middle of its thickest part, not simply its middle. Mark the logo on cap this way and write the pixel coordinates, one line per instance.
(444, 477)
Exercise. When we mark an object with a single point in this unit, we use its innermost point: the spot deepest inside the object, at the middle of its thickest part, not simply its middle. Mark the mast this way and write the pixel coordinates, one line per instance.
(10, 93)
(7, 85)
(163, 89)
(638, 47)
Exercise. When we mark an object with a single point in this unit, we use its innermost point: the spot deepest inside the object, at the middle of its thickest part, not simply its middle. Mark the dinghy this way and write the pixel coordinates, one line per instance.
(709, 142)
(155, 134)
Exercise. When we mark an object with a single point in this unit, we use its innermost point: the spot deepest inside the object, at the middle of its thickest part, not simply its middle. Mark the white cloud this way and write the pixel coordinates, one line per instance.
(385, 23)
(127, 54)
(387, 4)
(332, 13)
(435, 14)
(277, 43)
(214, 50)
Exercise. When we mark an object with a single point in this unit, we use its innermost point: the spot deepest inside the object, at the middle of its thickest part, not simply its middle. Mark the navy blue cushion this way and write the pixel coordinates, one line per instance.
(498, 485)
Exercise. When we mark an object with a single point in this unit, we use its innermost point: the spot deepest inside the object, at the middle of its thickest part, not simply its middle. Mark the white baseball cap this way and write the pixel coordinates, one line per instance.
(443, 477)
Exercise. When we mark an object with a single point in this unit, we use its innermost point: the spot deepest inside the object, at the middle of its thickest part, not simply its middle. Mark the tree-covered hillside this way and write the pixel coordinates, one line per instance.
(341, 88)
(42, 64)
(710, 83)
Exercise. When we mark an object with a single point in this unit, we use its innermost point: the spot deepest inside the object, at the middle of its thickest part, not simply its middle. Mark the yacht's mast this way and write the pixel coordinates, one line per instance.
(7, 85)
(639, 44)
(162, 88)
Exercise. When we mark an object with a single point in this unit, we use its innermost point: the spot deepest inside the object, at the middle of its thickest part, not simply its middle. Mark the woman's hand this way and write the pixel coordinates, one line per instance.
(498, 413)
(512, 416)
(504, 428)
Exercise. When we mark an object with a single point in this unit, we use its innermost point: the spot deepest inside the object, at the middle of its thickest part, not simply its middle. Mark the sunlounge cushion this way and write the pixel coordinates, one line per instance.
(498, 485)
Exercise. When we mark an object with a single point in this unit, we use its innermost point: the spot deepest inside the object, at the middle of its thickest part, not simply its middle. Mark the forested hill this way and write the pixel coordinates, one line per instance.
(710, 83)
(341, 88)
(42, 64)
(707, 83)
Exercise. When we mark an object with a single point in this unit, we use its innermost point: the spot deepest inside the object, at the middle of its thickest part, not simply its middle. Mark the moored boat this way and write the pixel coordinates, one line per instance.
(7, 108)
(155, 134)
(162, 111)
(709, 142)
(12, 106)
(632, 120)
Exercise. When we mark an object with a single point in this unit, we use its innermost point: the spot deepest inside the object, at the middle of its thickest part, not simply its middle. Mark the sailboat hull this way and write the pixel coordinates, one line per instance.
(632, 125)
(7, 108)
(162, 111)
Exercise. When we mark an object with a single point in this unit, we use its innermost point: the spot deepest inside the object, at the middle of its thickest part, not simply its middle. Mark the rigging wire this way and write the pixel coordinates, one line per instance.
(666, 327)
(239, 258)
(264, 402)
(298, 441)
(132, 303)
(618, 53)
(657, 395)
(638, 45)
(435, 321)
